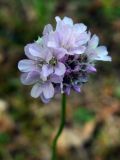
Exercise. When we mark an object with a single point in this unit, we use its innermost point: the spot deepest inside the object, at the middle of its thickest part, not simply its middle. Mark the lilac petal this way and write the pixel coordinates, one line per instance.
(79, 28)
(91, 68)
(82, 38)
(44, 100)
(36, 50)
(77, 88)
(27, 52)
(47, 70)
(79, 50)
(68, 21)
(36, 90)
(56, 79)
(60, 69)
(67, 90)
(48, 56)
(48, 90)
(60, 52)
(65, 35)
(26, 65)
(53, 41)
(52, 44)
(30, 77)
(48, 28)
(93, 43)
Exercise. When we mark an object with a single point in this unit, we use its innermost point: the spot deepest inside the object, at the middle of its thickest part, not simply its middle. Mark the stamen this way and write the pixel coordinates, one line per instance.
(53, 61)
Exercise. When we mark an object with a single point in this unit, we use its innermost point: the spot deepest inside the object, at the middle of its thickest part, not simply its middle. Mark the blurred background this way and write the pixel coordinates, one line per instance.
(27, 126)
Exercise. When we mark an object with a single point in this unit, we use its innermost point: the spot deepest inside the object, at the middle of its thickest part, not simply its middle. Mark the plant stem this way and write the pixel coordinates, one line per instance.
(63, 117)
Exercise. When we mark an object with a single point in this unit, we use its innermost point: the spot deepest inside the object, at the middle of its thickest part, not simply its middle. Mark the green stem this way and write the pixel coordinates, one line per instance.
(63, 116)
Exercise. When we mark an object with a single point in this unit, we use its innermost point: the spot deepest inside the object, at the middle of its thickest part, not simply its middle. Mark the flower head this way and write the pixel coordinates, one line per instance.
(61, 59)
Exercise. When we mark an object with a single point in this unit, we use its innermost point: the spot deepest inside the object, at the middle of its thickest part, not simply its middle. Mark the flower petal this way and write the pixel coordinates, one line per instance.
(102, 54)
(77, 88)
(104, 58)
(60, 52)
(47, 70)
(26, 65)
(53, 40)
(67, 90)
(56, 79)
(58, 19)
(91, 68)
(27, 52)
(48, 56)
(79, 27)
(30, 77)
(48, 90)
(48, 28)
(79, 50)
(82, 38)
(36, 90)
(36, 50)
(93, 43)
(44, 100)
(68, 21)
(60, 69)
(101, 50)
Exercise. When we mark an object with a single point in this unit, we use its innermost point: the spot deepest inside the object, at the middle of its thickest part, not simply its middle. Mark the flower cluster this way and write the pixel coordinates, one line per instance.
(61, 59)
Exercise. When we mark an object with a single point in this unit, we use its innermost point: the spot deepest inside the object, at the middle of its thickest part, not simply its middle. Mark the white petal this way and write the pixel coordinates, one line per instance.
(47, 70)
(48, 90)
(48, 28)
(93, 43)
(36, 90)
(60, 69)
(26, 65)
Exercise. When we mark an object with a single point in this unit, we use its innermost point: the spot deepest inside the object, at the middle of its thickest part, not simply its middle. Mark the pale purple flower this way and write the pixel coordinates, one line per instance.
(53, 64)
(95, 52)
(61, 59)
(44, 88)
(71, 37)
